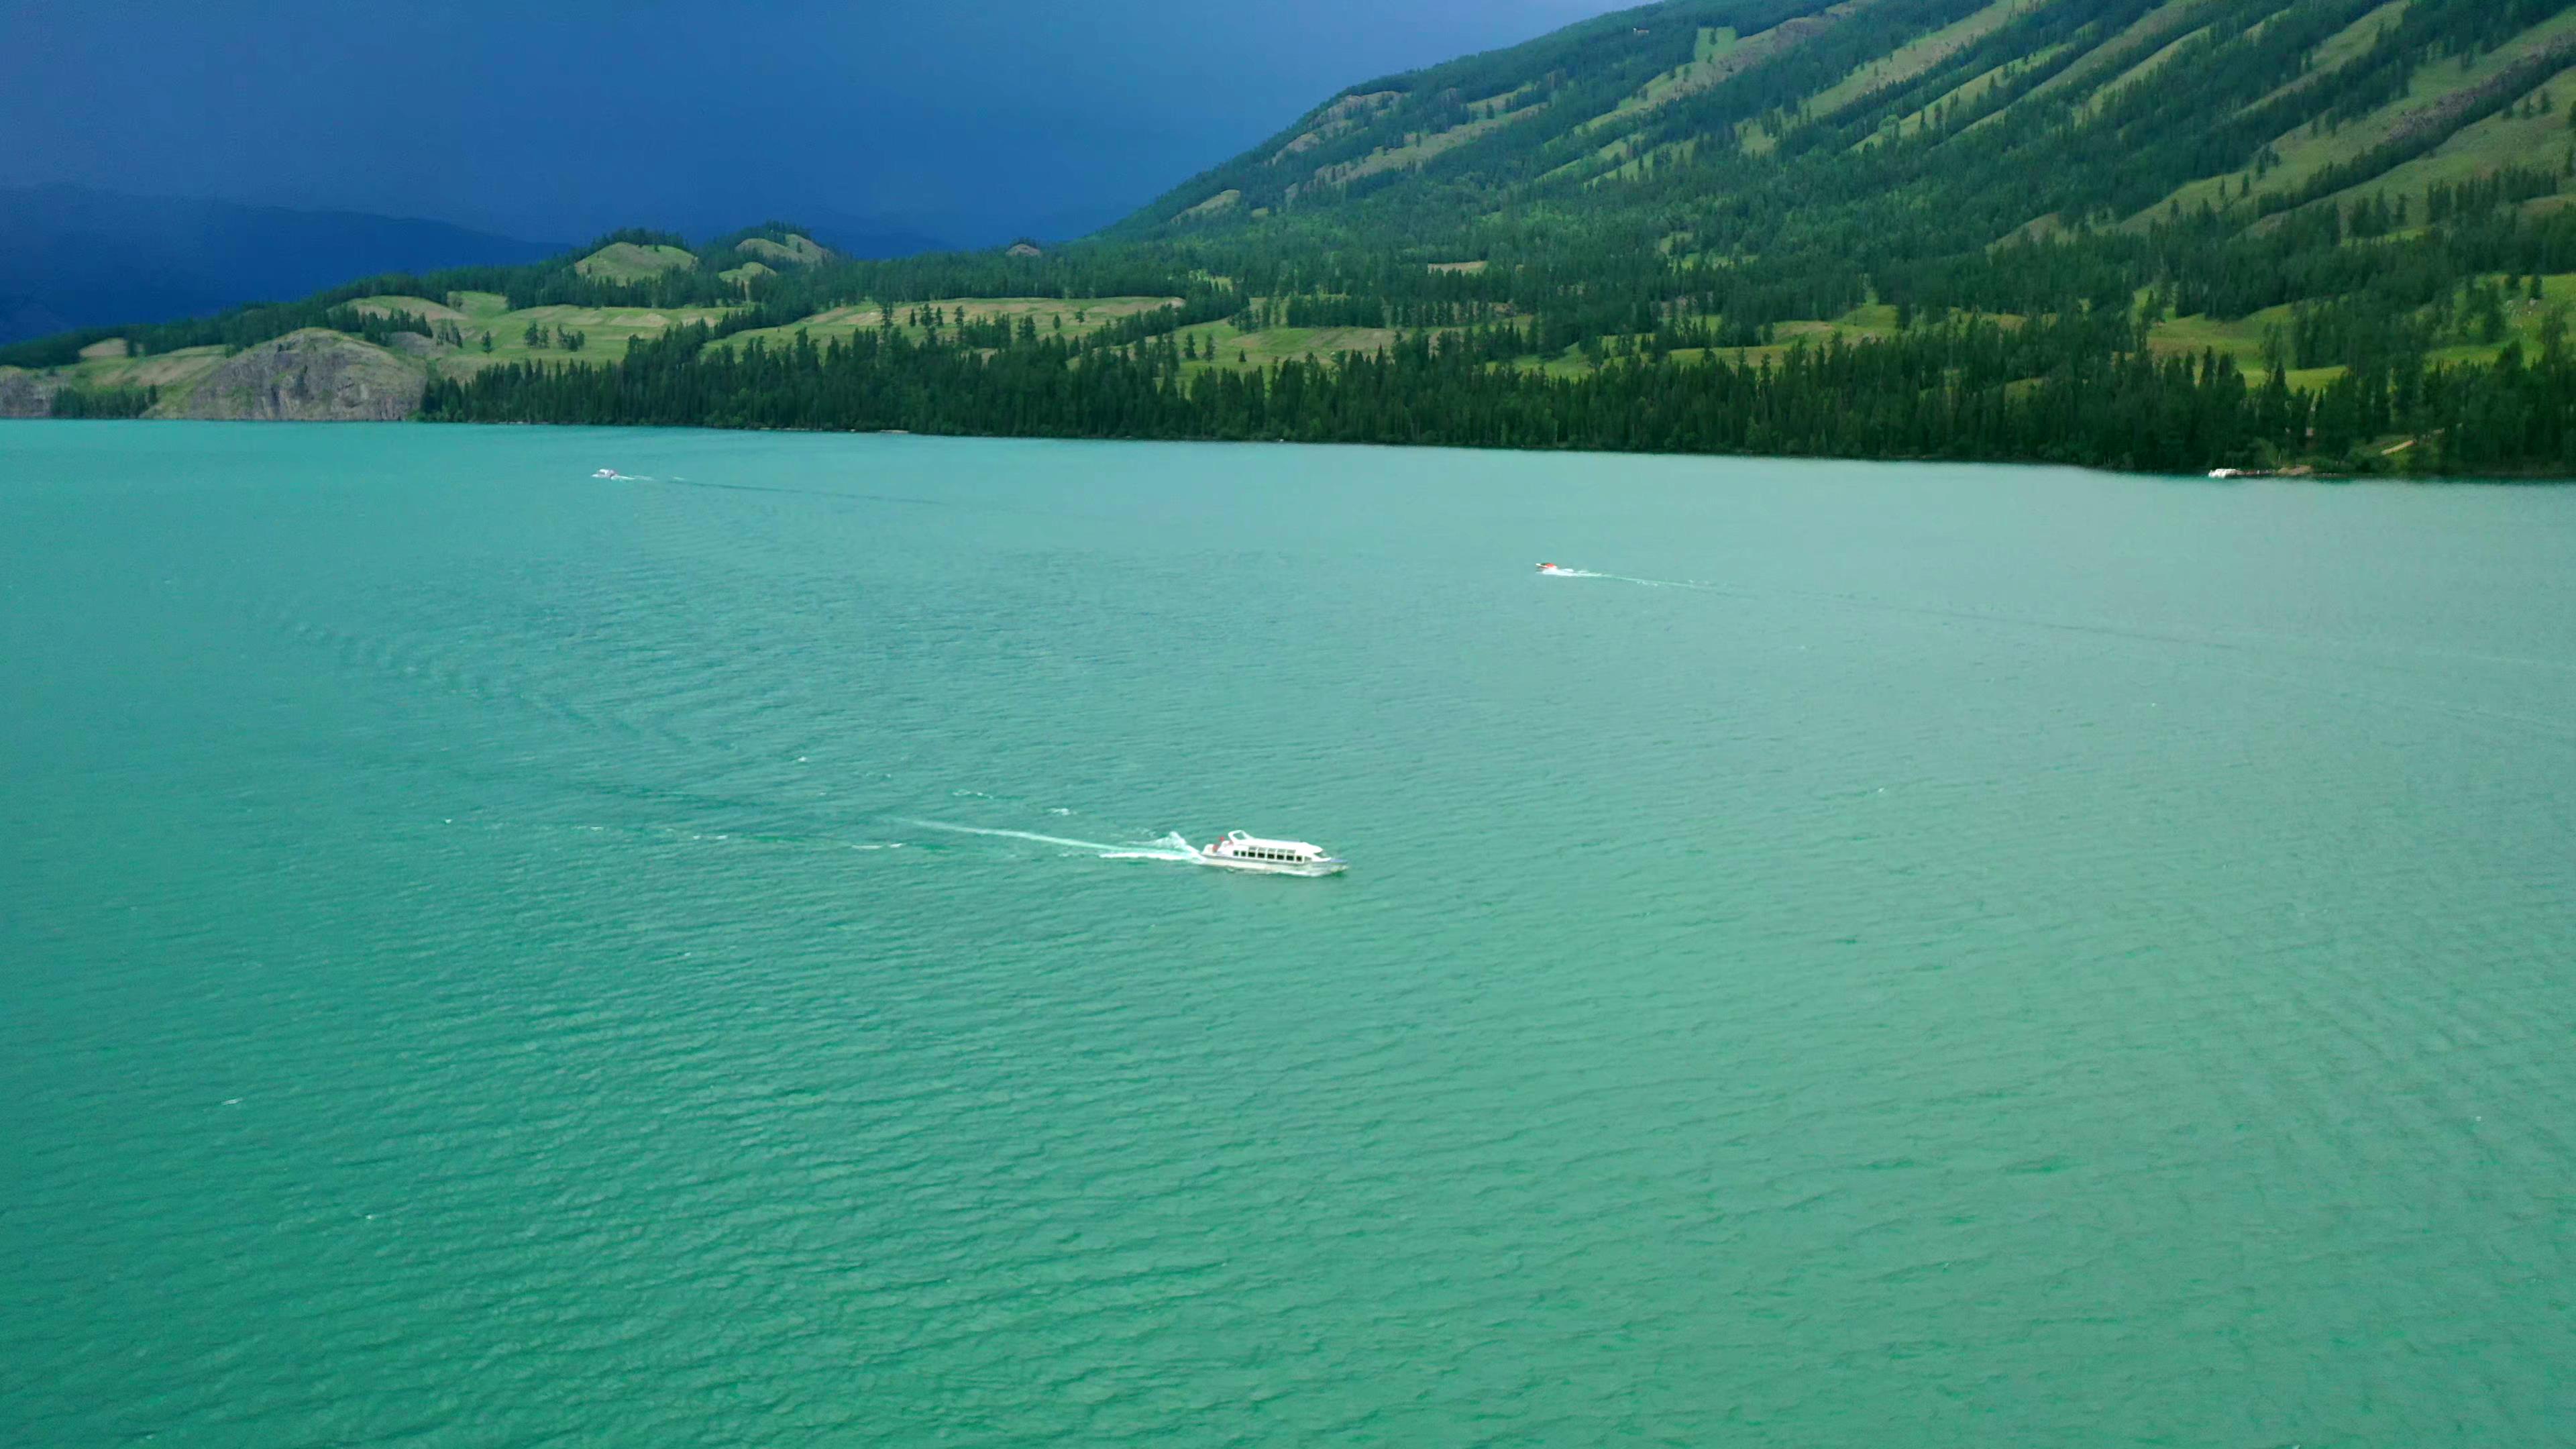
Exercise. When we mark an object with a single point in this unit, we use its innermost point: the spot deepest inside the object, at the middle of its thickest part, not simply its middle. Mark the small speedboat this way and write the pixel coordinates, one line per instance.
(1239, 851)
(605, 473)
(1549, 568)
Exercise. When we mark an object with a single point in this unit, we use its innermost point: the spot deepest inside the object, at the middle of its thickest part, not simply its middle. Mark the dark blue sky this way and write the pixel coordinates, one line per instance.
(555, 121)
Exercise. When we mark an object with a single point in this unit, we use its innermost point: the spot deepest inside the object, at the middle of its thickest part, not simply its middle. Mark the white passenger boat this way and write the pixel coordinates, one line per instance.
(1239, 851)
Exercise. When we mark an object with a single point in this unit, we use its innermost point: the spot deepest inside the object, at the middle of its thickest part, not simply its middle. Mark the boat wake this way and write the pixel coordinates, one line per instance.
(1558, 571)
(1169, 847)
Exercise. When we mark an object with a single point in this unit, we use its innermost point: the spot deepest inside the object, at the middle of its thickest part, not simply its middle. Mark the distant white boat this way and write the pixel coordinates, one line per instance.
(1239, 851)
(1549, 568)
(605, 473)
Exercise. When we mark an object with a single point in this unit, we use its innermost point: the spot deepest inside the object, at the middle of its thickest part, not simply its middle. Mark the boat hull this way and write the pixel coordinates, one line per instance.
(1274, 867)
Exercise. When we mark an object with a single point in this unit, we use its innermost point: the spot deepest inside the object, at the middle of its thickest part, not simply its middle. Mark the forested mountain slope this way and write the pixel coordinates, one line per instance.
(1887, 131)
(2150, 233)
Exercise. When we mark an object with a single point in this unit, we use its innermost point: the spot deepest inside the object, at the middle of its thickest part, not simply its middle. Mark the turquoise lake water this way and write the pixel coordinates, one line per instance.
(1905, 955)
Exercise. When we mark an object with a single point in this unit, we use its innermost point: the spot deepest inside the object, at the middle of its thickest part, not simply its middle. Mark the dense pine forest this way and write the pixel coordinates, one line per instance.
(2151, 234)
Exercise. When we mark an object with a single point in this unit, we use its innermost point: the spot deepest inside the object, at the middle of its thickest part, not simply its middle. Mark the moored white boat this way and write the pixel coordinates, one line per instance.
(1239, 851)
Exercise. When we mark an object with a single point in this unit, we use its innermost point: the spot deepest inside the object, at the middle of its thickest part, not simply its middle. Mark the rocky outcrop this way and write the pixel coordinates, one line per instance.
(25, 394)
(315, 375)
(2448, 114)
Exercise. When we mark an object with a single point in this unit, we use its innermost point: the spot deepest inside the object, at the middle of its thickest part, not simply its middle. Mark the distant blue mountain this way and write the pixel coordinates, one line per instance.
(73, 257)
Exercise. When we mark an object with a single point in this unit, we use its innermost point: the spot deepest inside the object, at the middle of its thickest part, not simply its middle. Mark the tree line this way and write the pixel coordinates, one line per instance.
(2079, 389)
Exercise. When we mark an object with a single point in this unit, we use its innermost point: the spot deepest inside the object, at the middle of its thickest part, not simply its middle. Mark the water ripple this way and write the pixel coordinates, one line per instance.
(2013, 950)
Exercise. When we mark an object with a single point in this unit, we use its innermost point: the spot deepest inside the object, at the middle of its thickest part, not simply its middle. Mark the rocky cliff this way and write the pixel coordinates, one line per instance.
(25, 394)
(314, 375)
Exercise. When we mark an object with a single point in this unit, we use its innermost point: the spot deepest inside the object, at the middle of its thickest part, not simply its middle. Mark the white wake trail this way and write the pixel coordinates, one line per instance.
(1566, 573)
(1170, 847)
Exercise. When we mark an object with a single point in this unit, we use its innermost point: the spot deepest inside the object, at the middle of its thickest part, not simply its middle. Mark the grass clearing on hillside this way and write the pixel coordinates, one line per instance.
(1963, 96)
(1917, 57)
(1633, 168)
(627, 262)
(387, 306)
(176, 373)
(2148, 34)
(1419, 148)
(2483, 149)
(2339, 50)
(1715, 44)
(1280, 344)
(2110, 90)
(2306, 152)
(608, 330)
(2242, 341)
(1080, 316)
(795, 251)
(2347, 45)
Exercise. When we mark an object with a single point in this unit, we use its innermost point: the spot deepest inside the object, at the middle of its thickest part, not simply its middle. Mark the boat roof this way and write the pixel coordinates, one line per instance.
(1239, 838)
